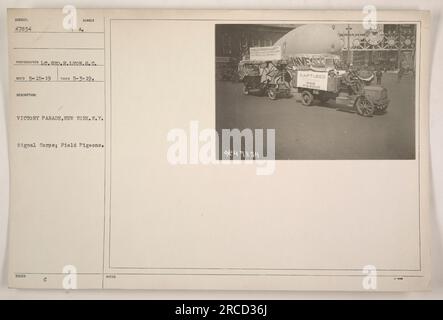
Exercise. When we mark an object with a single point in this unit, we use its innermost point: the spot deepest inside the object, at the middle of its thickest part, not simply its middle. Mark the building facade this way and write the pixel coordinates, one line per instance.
(232, 43)
(387, 46)
(234, 40)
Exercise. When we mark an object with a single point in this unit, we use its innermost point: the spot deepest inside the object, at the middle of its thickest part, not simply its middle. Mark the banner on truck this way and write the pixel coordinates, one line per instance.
(265, 53)
(312, 79)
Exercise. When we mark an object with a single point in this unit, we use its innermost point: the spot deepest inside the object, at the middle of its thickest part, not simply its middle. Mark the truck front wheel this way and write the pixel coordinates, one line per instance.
(364, 107)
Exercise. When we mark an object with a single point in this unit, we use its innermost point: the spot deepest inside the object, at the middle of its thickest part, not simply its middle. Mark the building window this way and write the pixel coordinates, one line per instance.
(226, 45)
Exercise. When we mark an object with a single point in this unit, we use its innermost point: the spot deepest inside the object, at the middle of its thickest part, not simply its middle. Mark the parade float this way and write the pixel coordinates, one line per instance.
(311, 67)
(265, 73)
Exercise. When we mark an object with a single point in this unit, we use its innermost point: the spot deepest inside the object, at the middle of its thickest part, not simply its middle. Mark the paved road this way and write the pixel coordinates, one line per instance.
(321, 131)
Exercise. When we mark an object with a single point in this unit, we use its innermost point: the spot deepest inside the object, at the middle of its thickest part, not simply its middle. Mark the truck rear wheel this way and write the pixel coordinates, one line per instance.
(272, 93)
(307, 98)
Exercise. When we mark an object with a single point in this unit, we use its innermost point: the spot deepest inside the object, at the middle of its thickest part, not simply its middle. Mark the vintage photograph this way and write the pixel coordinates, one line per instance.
(330, 91)
(141, 144)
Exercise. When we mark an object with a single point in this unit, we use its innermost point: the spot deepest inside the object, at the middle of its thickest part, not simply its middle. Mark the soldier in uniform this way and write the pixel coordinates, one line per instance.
(404, 68)
(379, 74)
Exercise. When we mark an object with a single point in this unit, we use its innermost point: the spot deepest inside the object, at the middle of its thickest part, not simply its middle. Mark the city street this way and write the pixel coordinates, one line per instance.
(322, 131)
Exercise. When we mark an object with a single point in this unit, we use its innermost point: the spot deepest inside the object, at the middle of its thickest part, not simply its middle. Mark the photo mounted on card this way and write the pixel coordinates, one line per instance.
(213, 149)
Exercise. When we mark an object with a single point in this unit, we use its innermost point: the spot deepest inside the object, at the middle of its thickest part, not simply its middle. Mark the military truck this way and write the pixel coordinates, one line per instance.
(349, 89)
